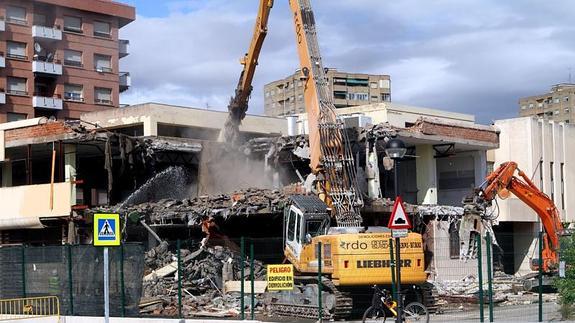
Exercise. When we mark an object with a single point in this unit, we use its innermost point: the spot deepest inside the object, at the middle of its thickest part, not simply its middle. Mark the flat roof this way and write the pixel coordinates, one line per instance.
(125, 12)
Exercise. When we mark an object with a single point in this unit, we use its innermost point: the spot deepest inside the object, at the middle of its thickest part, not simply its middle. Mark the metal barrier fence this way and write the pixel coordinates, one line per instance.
(30, 307)
(476, 289)
(73, 273)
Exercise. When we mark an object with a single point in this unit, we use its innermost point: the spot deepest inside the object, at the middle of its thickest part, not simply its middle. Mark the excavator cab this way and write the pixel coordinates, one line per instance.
(305, 217)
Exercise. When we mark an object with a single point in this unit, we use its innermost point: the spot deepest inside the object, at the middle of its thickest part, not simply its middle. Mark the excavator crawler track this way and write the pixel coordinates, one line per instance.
(341, 309)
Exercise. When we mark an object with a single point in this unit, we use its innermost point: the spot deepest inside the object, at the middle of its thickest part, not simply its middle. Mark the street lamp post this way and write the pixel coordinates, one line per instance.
(395, 149)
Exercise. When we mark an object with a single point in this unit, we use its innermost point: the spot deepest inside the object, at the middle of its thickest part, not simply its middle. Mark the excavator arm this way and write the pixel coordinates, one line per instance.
(239, 102)
(331, 159)
(503, 181)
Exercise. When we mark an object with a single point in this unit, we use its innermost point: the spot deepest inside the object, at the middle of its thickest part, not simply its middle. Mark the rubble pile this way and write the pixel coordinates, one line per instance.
(507, 290)
(190, 211)
(204, 276)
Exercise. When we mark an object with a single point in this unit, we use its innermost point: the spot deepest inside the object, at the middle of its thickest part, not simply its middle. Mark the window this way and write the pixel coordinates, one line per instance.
(291, 226)
(530, 105)
(73, 92)
(490, 167)
(540, 105)
(16, 15)
(300, 97)
(358, 96)
(385, 97)
(523, 107)
(73, 24)
(566, 99)
(339, 81)
(556, 100)
(72, 58)
(16, 86)
(16, 50)
(102, 29)
(556, 112)
(373, 85)
(566, 110)
(339, 95)
(374, 98)
(103, 95)
(103, 63)
(11, 116)
(40, 20)
(267, 94)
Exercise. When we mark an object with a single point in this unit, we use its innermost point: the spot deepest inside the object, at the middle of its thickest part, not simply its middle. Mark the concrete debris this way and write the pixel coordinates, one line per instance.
(507, 290)
(204, 274)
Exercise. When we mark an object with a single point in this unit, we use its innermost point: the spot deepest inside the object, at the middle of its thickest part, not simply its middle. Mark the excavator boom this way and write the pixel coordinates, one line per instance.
(502, 181)
(239, 102)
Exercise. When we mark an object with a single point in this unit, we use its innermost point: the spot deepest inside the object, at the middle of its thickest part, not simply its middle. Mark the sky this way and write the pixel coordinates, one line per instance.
(469, 56)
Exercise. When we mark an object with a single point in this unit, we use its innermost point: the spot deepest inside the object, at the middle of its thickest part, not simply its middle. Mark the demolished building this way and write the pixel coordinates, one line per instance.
(97, 168)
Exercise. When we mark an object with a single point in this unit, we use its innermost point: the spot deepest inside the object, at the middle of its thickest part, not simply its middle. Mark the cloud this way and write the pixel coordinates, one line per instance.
(473, 56)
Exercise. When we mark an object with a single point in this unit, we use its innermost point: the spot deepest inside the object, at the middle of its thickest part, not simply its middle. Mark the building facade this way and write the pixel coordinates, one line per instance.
(544, 151)
(285, 97)
(557, 105)
(61, 57)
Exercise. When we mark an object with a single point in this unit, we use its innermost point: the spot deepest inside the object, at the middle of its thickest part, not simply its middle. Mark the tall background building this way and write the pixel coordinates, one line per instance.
(557, 105)
(285, 97)
(61, 57)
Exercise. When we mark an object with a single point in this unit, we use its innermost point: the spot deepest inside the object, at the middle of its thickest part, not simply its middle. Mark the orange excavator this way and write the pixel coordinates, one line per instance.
(502, 182)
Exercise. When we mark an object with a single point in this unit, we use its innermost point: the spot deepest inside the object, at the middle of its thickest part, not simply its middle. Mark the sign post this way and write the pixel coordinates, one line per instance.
(398, 223)
(106, 234)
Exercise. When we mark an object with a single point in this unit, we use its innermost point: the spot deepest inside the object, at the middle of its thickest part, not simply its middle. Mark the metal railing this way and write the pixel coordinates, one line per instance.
(29, 307)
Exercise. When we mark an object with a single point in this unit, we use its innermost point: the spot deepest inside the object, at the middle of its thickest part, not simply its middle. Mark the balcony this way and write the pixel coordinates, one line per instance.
(2, 96)
(125, 81)
(46, 33)
(48, 68)
(44, 102)
(123, 47)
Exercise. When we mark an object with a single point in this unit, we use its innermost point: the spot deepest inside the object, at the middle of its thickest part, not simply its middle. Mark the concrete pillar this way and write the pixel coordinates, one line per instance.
(426, 175)
(70, 169)
(6, 173)
(150, 127)
(480, 166)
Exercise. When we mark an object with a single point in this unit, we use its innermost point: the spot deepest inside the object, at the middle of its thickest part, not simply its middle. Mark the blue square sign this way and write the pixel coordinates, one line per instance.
(106, 229)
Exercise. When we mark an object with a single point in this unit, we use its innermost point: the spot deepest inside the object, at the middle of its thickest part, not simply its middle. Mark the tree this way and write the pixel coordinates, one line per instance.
(566, 285)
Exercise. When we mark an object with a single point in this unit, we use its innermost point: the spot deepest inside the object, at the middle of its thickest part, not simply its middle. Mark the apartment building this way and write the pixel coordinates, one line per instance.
(556, 105)
(285, 97)
(60, 58)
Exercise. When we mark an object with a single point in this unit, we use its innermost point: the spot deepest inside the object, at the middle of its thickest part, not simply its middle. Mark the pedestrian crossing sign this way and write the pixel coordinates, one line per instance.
(106, 230)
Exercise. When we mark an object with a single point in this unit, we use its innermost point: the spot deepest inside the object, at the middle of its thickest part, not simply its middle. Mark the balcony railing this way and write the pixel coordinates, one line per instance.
(44, 102)
(17, 56)
(103, 101)
(17, 92)
(50, 68)
(73, 63)
(44, 32)
(124, 44)
(125, 81)
(74, 97)
(102, 69)
(16, 21)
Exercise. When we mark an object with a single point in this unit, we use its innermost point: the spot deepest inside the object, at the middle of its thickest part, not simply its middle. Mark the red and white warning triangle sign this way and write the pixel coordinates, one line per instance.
(398, 219)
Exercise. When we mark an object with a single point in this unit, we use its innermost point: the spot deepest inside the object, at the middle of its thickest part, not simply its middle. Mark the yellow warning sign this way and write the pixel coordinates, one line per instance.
(280, 277)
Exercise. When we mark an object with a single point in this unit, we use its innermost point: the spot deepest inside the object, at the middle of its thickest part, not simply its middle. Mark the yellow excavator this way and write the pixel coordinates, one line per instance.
(353, 256)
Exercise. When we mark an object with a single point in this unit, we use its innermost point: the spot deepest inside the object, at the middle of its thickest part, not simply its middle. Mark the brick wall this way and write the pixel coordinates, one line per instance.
(43, 130)
(456, 131)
